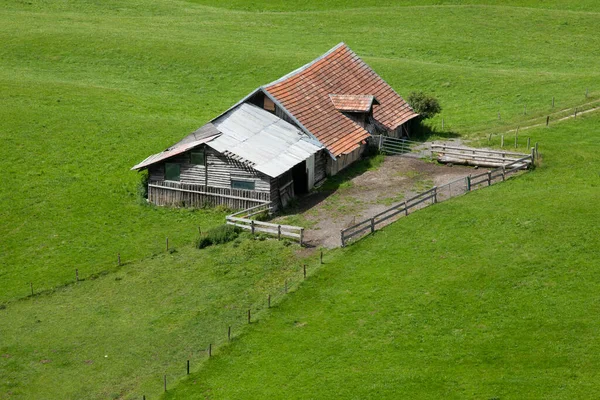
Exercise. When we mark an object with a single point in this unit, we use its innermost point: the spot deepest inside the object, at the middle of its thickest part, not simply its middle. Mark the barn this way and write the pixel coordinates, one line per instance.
(282, 139)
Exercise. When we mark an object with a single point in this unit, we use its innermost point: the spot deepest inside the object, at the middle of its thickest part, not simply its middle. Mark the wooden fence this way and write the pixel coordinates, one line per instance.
(432, 196)
(242, 220)
(167, 193)
(480, 157)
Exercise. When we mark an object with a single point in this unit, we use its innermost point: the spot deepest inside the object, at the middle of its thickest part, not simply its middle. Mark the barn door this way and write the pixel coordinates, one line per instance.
(310, 170)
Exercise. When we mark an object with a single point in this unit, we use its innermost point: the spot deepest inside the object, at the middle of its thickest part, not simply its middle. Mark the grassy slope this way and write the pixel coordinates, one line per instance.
(115, 337)
(491, 295)
(88, 89)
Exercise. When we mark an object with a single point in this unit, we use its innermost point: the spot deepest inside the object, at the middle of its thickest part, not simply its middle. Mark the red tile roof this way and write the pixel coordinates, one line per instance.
(352, 102)
(304, 94)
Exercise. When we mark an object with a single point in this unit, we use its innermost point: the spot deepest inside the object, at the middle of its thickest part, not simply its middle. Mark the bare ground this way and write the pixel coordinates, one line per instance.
(325, 213)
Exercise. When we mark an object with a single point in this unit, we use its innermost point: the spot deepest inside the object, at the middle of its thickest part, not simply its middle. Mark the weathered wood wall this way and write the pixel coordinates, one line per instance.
(177, 194)
(208, 184)
(343, 161)
(321, 165)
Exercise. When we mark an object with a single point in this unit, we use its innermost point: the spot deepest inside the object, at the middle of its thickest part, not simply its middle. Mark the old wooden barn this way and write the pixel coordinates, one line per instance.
(282, 139)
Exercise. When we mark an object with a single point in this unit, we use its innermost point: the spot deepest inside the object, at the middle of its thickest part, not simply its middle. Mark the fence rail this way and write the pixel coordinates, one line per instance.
(481, 157)
(398, 146)
(242, 219)
(432, 196)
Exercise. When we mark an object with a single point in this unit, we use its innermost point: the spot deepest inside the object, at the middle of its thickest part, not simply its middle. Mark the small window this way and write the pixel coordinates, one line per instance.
(172, 172)
(242, 184)
(197, 157)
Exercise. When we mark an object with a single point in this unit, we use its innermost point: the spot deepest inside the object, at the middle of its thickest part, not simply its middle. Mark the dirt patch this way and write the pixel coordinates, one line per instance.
(325, 213)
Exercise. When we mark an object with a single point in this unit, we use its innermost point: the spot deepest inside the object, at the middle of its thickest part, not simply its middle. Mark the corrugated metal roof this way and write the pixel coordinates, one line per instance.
(181, 147)
(352, 102)
(262, 140)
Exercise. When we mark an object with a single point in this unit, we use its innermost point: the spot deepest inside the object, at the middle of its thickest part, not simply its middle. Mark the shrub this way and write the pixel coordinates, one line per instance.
(218, 235)
(426, 105)
(142, 187)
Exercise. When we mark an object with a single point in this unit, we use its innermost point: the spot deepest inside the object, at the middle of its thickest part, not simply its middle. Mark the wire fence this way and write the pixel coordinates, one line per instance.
(234, 327)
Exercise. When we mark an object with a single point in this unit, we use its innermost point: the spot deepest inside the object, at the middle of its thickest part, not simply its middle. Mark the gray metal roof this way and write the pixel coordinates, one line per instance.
(262, 140)
(251, 135)
(186, 144)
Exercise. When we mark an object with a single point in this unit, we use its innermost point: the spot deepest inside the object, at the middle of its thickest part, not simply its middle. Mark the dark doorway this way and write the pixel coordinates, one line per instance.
(300, 178)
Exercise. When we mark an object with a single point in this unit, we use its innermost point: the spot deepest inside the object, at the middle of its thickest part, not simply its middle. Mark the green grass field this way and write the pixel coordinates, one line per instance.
(117, 335)
(492, 295)
(88, 89)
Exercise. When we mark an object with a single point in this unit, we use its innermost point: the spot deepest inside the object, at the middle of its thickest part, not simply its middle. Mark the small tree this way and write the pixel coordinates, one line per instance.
(425, 105)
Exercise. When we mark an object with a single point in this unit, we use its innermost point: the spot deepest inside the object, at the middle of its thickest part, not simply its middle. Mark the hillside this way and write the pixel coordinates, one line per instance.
(495, 279)
(492, 295)
(88, 89)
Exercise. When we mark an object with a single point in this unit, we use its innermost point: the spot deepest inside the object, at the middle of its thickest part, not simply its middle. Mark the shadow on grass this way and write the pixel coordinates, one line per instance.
(424, 133)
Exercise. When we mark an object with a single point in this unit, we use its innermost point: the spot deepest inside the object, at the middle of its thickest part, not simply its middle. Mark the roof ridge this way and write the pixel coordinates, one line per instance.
(306, 66)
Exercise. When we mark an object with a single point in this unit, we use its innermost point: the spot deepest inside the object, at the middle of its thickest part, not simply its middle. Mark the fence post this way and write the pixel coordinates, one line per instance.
(165, 381)
(528, 142)
(533, 156)
(249, 316)
(489, 173)
(434, 194)
(252, 226)
(304, 271)
(342, 236)
(210, 350)
(380, 142)
(167, 244)
(301, 236)
(517, 138)
(229, 334)
(76, 275)
(547, 120)
(537, 154)
(469, 183)
(372, 225)
(405, 209)
(503, 173)
(188, 367)
(502, 141)
(278, 232)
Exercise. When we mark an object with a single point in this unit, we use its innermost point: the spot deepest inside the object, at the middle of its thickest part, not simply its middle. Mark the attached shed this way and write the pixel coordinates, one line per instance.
(282, 138)
(243, 158)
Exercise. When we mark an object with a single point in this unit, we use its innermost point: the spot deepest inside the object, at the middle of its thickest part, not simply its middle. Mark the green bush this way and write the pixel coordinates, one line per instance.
(142, 188)
(425, 105)
(218, 235)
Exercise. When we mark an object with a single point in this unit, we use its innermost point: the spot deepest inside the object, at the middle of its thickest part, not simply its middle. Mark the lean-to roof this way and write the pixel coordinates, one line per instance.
(250, 135)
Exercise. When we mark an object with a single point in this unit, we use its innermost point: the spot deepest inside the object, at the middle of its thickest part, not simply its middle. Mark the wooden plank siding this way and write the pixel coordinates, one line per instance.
(343, 161)
(210, 184)
(321, 166)
(177, 194)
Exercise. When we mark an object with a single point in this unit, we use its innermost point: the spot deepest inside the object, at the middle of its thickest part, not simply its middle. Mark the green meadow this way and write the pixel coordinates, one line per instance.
(491, 295)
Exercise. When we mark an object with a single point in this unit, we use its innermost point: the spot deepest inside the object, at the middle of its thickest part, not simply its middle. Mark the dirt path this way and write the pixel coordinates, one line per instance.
(398, 178)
